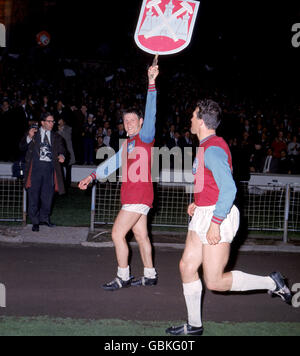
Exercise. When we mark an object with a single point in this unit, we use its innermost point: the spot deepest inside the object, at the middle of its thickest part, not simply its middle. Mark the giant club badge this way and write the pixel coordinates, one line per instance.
(166, 26)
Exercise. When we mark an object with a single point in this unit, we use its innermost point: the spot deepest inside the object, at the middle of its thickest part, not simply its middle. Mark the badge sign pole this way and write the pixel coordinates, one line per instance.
(166, 26)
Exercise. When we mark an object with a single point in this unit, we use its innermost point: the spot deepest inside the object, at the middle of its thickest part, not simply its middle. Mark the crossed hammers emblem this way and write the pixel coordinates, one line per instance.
(185, 7)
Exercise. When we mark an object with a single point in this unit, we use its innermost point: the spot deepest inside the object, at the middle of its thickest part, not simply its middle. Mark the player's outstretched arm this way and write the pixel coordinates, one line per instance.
(104, 170)
(147, 132)
(153, 72)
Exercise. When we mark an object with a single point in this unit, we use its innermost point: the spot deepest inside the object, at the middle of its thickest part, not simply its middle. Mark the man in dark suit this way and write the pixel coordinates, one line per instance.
(65, 132)
(45, 152)
(118, 135)
(186, 140)
(270, 163)
(174, 141)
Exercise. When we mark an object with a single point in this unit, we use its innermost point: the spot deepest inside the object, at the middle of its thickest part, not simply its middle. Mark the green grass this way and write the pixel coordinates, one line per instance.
(72, 209)
(44, 326)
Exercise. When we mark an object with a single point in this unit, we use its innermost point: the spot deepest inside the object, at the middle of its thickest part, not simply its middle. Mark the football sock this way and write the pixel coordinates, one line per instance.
(192, 294)
(124, 273)
(242, 282)
(150, 273)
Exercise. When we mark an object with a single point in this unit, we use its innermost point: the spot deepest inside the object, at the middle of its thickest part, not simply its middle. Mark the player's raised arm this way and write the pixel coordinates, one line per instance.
(147, 133)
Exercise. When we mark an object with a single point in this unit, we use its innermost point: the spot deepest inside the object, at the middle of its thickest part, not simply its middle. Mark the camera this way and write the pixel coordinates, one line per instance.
(34, 126)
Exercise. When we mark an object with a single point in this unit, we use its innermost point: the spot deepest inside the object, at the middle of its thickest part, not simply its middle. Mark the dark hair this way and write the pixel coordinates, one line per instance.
(210, 112)
(45, 115)
(133, 110)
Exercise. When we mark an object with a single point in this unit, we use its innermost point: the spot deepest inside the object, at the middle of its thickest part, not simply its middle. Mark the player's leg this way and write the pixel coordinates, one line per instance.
(140, 231)
(215, 259)
(191, 259)
(192, 286)
(123, 224)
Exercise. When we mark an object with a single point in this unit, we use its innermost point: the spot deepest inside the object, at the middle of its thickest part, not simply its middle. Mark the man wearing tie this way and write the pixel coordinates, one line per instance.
(43, 176)
(270, 164)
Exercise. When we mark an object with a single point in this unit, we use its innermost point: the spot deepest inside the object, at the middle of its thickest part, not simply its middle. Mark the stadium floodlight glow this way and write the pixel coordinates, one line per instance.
(2, 35)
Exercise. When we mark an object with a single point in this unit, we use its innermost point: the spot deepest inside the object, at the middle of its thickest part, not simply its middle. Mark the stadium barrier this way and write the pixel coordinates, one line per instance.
(271, 207)
(13, 200)
(262, 207)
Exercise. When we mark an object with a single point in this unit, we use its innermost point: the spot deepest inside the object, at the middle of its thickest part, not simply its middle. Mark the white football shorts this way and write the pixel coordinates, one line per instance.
(201, 221)
(136, 208)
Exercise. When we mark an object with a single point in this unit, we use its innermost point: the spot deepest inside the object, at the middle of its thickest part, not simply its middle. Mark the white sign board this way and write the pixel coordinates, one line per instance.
(166, 26)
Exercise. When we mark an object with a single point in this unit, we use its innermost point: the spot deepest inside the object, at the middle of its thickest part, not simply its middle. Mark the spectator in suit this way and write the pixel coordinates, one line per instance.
(256, 157)
(45, 152)
(186, 140)
(294, 147)
(65, 132)
(120, 134)
(99, 145)
(79, 119)
(106, 127)
(270, 163)
(294, 155)
(107, 138)
(59, 112)
(172, 132)
(284, 166)
(174, 141)
(89, 134)
(45, 106)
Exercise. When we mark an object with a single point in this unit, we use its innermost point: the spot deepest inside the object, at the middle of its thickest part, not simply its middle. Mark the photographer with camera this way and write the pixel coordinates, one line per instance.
(45, 152)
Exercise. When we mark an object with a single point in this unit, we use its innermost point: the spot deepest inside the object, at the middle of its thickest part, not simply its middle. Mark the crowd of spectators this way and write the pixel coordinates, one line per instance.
(263, 135)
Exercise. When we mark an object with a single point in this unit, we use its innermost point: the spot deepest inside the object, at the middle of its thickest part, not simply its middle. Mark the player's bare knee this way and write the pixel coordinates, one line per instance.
(187, 268)
(140, 237)
(116, 236)
(213, 285)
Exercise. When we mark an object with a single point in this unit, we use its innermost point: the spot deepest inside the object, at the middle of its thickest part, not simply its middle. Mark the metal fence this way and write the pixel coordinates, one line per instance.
(263, 208)
(271, 207)
(12, 200)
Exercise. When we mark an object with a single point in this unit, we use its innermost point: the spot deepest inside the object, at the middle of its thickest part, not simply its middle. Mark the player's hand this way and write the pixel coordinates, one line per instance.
(152, 74)
(213, 235)
(85, 182)
(191, 209)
